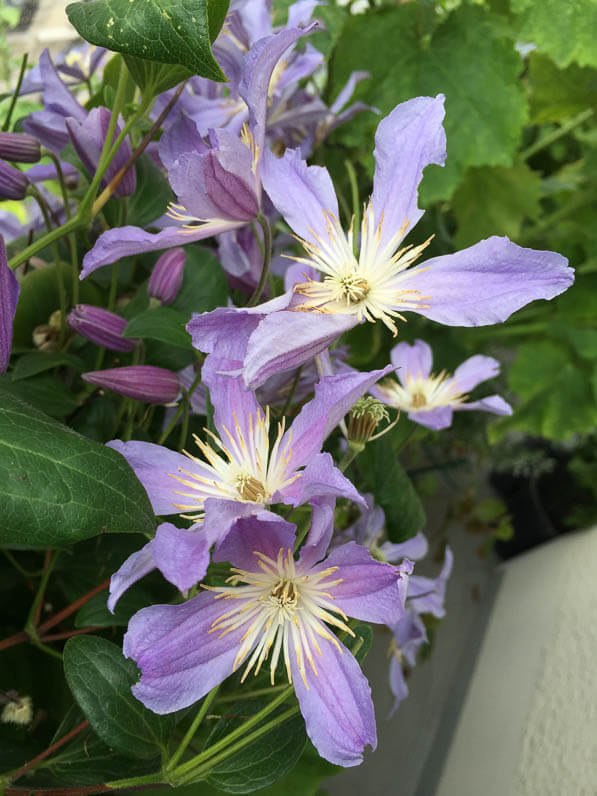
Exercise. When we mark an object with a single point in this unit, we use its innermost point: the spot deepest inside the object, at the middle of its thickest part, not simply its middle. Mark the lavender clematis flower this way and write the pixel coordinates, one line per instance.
(218, 186)
(280, 606)
(9, 295)
(430, 400)
(480, 285)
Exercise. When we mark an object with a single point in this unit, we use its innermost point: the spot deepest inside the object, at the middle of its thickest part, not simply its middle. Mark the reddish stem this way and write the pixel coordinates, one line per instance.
(18, 638)
(70, 609)
(52, 748)
(68, 634)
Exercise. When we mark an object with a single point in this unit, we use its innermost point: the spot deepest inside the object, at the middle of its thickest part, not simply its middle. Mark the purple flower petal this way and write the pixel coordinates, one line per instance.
(181, 556)
(312, 195)
(435, 419)
(233, 404)
(397, 684)
(337, 706)
(370, 590)
(319, 478)
(125, 241)
(487, 282)
(180, 137)
(473, 371)
(414, 360)
(492, 403)
(320, 532)
(414, 548)
(426, 595)
(134, 568)
(9, 295)
(263, 532)
(408, 139)
(221, 515)
(179, 657)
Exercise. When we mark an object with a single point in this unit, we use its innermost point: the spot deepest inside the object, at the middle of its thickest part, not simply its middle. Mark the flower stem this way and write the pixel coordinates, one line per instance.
(15, 95)
(202, 712)
(267, 258)
(179, 410)
(12, 775)
(224, 743)
(72, 240)
(564, 129)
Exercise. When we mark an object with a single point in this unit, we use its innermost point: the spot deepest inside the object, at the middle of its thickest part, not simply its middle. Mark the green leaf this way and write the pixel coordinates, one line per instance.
(263, 762)
(557, 94)
(38, 299)
(557, 399)
(39, 361)
(306, 777)
(470, 58)
(204, 286)
(46, 393)
(95, 612)
(151, 198)
(152, 77)
(362, 641)
(383, 475)
(563, 29)
(57, 487)
(167, 31)
(101, 679)
(509, 196)
(161, 323)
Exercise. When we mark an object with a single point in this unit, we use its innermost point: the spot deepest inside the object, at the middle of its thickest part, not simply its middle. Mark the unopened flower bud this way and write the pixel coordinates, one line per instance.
(166, 277)
(364, 418)
(13, 183)
(45, 336)
(19, 147)
(100, 326)
(142, 382)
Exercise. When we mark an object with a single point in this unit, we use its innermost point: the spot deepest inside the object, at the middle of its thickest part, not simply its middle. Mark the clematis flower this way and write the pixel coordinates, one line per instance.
(430, 400)
(480, 285)
(218, 186)
(9, 294)
(275, 610)
(242, 471)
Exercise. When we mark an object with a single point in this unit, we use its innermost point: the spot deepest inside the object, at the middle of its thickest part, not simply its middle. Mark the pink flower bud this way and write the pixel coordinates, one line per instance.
(143, 382)
(19, 147)
(101, 327)
(166, 277)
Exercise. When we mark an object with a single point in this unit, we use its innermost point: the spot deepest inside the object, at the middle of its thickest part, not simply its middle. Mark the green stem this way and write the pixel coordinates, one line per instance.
(200, 771)
(72, 240)
(113, 288)
(179, 410)
(353, 450)
(267, 258)
(56, 257)
(237, 696)
(202, 712)
(15, 95)
(550, 221)
(551, 137)
(19, 568)
(354, 193)
(147, 779)
(225, 742)
(33, 616)
(59, 232)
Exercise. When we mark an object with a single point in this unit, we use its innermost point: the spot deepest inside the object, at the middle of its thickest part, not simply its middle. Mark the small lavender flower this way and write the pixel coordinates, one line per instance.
(101, 327)
(166, 277)
(9, 294)
(431, 399)
(19, 147)
(278, 608)
(142, 382)
(13, 183)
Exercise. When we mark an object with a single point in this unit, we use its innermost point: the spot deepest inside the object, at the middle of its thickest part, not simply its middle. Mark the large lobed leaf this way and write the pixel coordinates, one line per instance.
(168, 31)
(57, 487)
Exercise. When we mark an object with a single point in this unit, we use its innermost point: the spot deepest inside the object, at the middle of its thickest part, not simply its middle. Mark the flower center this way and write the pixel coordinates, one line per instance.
(250, 488)
(354, 288)
(418, 399)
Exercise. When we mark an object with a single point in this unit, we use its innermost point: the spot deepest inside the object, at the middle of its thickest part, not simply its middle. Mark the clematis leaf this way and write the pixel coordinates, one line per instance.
(558, 94)
(263, 762)
(161, 323)
(38, 361)
(150, 200)
(101, 678)
(57, 487)
(168, 31)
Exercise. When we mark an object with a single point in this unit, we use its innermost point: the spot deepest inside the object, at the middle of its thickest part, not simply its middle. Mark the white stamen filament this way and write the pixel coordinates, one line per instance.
(239, 468)
(284, 611)
(368, 287)
(422, 394)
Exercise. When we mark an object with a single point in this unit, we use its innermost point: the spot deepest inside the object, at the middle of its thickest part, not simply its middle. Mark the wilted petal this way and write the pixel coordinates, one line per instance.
(413, 360)
(180, 659)
(408, 139)
(487, 282)
(337, 706)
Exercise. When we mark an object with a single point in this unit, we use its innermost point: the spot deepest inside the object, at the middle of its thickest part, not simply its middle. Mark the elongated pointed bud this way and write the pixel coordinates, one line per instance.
(19, 147)
(166, 277)
(364, 418)
(143, 382)
(100, 326)
(13, 183)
